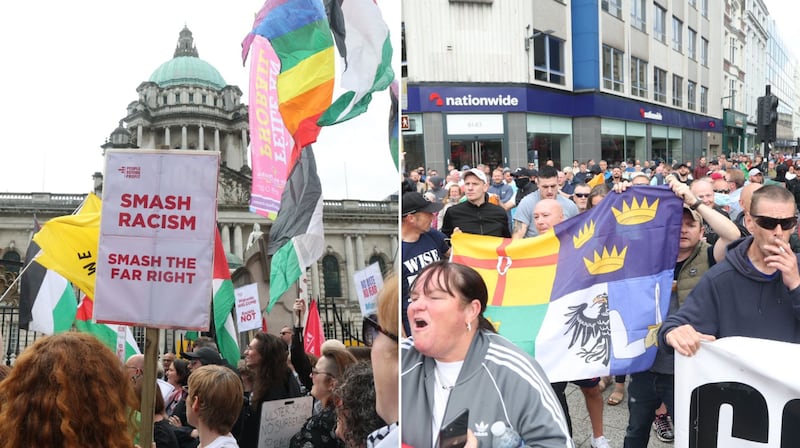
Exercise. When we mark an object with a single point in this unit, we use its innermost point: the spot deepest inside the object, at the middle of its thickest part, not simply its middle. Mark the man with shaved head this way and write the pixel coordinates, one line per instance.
(546, 214)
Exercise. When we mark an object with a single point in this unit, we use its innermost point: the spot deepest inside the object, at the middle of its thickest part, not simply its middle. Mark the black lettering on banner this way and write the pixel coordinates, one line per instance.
(85, 255)
(750, 413)
(90, 268)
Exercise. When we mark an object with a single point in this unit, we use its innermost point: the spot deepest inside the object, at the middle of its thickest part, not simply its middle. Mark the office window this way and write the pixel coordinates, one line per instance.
(191, 97)
(677, 34)
(691, 91)
(548, 58)
(659, 85)
(677, 91)
(660, 24)
(613, 7)
(703, 99)
(638, 77)
(203, 99)
(704, 51)
(732, 58)
(704, 8)
(613, 77)
(164, 98)
(639, 14)
(691, 43)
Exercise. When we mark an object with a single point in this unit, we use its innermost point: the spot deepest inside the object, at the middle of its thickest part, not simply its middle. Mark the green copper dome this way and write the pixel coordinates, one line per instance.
(186, 67)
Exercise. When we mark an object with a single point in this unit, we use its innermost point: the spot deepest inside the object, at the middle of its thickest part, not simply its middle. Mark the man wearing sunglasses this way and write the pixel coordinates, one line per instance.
(754, 292)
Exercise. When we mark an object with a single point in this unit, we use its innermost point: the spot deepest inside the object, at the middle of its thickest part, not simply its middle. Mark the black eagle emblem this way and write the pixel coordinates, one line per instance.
(594, 333)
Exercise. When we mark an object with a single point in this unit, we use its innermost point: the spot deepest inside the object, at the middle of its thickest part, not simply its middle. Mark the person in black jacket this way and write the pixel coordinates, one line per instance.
(476, 215)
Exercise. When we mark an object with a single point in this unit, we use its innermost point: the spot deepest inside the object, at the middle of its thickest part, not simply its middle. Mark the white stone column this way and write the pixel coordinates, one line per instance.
(184, 145)
(139, 132)
(166, 137)
(361, 262)
(350, 263)
(393, 248)
(238, 248)
(244, 147)
(226, 238)
(216, 139)
(315, 291)
(201, 139)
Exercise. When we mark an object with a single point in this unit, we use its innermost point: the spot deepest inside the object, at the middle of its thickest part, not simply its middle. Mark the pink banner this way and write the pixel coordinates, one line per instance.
(270, 142)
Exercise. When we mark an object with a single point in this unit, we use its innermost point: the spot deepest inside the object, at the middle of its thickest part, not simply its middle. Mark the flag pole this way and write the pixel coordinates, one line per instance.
(16, 280)
(148, 391)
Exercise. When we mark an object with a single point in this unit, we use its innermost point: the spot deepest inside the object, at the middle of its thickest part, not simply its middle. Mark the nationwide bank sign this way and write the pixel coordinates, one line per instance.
(472, 99)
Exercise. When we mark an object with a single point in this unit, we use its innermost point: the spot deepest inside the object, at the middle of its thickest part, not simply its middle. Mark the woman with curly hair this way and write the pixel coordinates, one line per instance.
(266, 356)
(319, 430)
(67, 390)
(355, 406)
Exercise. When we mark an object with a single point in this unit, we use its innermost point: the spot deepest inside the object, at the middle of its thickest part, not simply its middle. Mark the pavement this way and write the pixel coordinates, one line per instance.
(615, 420)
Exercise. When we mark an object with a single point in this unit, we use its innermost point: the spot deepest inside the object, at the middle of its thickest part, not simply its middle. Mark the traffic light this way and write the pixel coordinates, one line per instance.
(772, 117)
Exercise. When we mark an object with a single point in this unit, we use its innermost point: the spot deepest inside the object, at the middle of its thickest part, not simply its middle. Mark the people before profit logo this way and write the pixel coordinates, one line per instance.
(436, 99)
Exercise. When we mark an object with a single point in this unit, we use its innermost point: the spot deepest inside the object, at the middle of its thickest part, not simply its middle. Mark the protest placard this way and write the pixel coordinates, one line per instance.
(368, 282)
(248, 310)
(281, 419)
(154, 264)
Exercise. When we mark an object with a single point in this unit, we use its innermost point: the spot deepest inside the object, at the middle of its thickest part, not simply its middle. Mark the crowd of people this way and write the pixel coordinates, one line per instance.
(70, 390)
(739, 229)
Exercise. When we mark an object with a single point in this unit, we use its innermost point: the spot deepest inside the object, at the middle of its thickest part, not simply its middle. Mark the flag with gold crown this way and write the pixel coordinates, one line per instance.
(587, 298)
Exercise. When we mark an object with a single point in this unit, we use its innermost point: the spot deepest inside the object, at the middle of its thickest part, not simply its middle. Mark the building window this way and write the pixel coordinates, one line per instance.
(204, 98)
(659, 24)
(613, 7)
(703, 99)
(639, 14)
(677, 91)
(549, 138)
(704, 8)
(691, 91)
(691, 44)
(612, 69)
(677, 34)
(732, 93)
(732, 59)
(191, 98)
(331, 276)
(548, 58)
(704, 51)
(659, 85)
(375, 258)
(638, 77)
(165, 100)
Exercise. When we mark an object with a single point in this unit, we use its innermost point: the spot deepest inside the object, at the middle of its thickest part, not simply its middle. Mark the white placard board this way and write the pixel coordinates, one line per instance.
(738, 390)
(154, 264)
(248, 309)
(369, 282)
(281, 419)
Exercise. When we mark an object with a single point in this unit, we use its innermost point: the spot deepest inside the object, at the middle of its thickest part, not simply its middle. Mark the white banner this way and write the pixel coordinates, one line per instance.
(738, 392)
(154, 263)
(281, 419)
(248, 310)
(368, 282)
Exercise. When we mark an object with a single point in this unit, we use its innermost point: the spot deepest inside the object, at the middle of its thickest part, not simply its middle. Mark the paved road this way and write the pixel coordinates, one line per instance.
(615, 419)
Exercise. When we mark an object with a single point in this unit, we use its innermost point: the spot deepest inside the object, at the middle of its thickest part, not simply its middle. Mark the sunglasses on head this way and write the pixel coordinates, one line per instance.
(722, 191)
(582, 195)
(370, 329)
(765, 222)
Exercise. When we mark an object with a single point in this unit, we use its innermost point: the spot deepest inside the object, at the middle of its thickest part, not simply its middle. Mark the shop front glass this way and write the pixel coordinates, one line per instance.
(667, 143)
(472, 152)
(414, 143)
(549, 138)
(612, 141)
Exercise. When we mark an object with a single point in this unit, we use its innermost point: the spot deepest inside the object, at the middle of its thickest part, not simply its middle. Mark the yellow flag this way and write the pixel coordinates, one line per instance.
(596, 180)
(69, 245)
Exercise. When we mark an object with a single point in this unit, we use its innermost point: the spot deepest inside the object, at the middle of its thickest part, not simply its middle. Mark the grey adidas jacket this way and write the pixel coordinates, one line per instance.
(498, 382)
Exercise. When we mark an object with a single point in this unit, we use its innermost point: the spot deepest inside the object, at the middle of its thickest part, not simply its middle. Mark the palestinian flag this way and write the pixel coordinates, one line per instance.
(296, 238)
(107, 334)
(47, 302)
(368, 61)
(223, 302)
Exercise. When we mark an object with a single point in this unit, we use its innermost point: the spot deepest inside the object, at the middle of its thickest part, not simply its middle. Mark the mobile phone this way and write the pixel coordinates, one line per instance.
(454, 434)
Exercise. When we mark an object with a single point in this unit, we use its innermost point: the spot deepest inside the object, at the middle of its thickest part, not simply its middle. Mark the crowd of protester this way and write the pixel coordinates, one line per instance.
(739, 228)
(70, 390)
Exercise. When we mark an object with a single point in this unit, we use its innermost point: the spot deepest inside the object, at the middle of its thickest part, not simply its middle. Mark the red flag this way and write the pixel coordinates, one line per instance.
(314, 336)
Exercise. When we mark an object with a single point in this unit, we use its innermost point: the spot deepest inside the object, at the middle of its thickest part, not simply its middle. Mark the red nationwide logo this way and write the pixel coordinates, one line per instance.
(131, 172)
(436, 99)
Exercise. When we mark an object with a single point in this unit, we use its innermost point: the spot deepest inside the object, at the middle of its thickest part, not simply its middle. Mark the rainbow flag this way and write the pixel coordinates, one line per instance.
(299, 33)
(587, 298)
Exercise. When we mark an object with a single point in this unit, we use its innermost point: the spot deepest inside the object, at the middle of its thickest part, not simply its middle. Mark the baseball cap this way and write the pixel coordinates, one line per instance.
(694, 214)
(754, 171)
(524, 172)
(716, 175)
(206, 356)
(679, 165)
(475, 172)
(414, 202)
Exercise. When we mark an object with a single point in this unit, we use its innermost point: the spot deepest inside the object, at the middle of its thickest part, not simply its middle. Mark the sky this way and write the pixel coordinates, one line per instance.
(70, 69)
